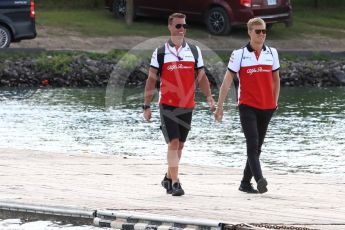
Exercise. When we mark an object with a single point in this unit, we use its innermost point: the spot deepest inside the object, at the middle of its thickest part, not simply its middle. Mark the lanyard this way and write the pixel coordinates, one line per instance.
(177, 53)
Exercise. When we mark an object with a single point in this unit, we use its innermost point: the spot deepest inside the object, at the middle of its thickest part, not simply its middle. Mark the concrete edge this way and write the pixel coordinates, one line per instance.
(23, 50)
(120, 219)
(300, 53)
(52, 213)
(151, 217)
(103, 218)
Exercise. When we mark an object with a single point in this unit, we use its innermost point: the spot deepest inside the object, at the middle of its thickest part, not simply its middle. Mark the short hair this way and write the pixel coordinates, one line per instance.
(255, 22)
(175, 15)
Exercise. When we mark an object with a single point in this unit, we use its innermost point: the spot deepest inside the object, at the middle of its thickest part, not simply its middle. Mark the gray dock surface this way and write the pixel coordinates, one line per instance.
(96, 182)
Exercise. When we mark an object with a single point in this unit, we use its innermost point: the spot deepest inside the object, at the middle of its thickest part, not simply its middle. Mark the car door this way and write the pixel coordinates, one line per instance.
(193, 9)
(155, 8)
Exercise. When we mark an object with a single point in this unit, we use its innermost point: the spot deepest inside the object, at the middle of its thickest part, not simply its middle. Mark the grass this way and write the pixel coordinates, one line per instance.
(100, 22)
(328, 23)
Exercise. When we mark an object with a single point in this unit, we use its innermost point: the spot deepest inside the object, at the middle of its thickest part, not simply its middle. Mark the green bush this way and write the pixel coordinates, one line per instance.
(129, 61)
(56, 63)
(113, 55)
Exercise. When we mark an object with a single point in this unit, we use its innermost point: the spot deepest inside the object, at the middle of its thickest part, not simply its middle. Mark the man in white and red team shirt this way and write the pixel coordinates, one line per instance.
(181, 63)
(257, 67)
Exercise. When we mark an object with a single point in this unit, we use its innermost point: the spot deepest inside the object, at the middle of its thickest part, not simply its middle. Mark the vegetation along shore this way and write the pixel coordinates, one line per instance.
(83, 69)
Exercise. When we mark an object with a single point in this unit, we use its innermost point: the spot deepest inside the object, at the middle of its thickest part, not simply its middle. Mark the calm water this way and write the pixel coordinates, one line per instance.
(306, 135)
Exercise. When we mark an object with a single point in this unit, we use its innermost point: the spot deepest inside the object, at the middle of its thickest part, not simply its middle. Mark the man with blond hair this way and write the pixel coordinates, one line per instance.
(177, 63)
(257, 68)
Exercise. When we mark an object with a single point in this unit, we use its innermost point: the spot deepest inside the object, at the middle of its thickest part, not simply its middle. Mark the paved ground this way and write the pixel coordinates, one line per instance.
(129, 184)
(57, 39)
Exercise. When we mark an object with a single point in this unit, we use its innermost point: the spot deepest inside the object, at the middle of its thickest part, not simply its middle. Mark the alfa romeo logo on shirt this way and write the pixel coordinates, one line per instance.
(257, 70)
(179, 66)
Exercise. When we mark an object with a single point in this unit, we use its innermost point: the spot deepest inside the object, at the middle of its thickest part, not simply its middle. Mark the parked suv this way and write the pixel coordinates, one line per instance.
(218, 15)
(17, 21)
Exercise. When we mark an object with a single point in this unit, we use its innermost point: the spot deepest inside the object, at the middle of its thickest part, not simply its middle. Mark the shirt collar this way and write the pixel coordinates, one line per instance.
(173, 45)
(250, 48)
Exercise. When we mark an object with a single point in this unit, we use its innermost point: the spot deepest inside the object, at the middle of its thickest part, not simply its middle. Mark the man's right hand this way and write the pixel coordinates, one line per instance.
(211, 103)
(147, 114)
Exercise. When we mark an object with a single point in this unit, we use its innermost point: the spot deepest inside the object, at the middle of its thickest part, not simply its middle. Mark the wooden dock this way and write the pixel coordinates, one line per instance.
(133, 184)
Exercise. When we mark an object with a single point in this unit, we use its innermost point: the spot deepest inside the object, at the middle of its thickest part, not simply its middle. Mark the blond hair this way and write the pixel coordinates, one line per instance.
(175, 15)
(255, 22)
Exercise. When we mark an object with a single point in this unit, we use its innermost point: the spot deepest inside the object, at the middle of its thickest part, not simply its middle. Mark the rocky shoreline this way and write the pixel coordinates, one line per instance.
(87, 72)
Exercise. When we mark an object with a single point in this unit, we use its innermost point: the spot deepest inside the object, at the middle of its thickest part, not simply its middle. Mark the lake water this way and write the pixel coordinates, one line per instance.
(306, 135)
(16, 224)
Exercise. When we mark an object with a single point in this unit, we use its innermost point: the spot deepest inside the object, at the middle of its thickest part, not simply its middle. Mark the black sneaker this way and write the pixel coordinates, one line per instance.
(247, 187)
(177, 189)
(262, 185)
(167, 184)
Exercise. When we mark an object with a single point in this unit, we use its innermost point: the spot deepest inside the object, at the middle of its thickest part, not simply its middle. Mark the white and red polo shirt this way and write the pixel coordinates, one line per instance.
(255, 75)
(177, 87)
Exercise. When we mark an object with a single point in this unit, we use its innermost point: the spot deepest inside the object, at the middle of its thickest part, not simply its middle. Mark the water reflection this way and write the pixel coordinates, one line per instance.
(17, 224)
(306, 133)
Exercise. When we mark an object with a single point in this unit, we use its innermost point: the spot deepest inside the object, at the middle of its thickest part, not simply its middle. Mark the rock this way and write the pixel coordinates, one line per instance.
(339, 76)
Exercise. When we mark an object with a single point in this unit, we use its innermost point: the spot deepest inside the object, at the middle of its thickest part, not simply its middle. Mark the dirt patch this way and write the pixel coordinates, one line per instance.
(57, 39)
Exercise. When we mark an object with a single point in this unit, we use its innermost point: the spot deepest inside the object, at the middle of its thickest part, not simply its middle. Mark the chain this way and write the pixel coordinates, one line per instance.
(267, 226)
(274, 226)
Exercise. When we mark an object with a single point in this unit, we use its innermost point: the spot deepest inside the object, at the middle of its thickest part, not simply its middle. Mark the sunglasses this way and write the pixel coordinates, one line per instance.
(178, 26)
(260, 31)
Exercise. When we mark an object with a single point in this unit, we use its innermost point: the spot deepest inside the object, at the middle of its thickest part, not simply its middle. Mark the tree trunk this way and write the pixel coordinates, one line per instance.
(316, 3)
(129, 12)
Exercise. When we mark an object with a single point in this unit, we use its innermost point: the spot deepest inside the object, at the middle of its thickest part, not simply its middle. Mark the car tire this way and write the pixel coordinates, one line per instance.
(5, 37)
(218, 21)
(119, 8)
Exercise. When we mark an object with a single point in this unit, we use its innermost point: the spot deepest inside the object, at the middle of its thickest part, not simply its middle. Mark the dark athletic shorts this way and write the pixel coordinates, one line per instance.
(175, 122)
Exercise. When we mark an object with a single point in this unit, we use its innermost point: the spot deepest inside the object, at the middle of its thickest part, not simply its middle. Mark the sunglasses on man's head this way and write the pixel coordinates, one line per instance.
(178, 26)
(260, 31)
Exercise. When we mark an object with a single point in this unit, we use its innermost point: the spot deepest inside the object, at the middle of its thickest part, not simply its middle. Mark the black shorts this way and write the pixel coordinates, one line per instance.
(175, 122)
